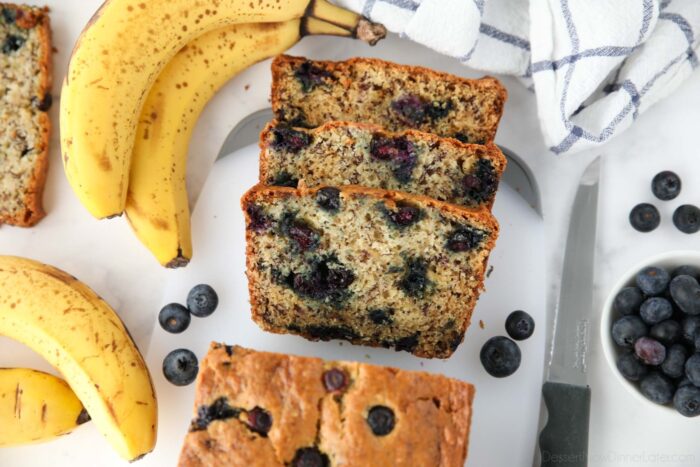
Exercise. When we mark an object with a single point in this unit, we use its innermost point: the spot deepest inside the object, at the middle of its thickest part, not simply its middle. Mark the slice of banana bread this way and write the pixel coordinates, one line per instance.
(374, 267)
(397, 97)
(344, 153)
(273, 410)
(25, 98)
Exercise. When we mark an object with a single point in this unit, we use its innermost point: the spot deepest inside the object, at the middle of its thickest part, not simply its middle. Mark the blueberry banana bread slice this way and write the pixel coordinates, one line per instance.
(345, 153)
(25, 98)
(397, 97)
(273, 410)
(374, 267)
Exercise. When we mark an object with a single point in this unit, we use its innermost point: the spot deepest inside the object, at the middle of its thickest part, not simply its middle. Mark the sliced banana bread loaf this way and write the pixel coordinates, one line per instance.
(373, 267)
(397, 97)
(273, 410)
(25, 98)
(344, 153)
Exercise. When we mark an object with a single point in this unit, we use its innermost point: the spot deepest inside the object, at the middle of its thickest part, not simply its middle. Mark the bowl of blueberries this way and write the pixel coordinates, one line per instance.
(650, 331)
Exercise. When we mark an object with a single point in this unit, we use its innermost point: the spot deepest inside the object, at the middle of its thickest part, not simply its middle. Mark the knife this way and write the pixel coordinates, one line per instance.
(564, 439)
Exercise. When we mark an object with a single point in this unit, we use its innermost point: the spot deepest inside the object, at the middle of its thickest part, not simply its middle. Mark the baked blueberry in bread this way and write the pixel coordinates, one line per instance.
(25, 98)
(273, 410)
(345, 153)
(374, 267)
(310, 93)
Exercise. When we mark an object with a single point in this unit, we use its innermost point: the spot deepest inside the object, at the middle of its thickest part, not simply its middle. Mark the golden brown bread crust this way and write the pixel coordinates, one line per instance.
(439, 152)
(432, 413)
(487, 116)
(462, 307)
(28, 18)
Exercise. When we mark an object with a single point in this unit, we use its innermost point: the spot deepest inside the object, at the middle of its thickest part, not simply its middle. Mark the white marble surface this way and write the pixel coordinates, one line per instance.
(105, 254)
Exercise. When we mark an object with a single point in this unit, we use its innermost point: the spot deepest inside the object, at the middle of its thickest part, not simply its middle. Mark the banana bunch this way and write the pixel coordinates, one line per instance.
(140, 75)
(83, 338)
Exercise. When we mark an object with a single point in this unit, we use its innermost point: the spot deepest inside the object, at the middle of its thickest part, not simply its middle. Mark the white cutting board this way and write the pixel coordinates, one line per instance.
(506, 411)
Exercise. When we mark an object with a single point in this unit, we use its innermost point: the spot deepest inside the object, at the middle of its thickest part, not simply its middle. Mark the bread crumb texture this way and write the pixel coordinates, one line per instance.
(266, 409)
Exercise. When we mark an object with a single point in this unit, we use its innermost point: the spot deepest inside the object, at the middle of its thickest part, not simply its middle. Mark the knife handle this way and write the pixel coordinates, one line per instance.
(564, 440)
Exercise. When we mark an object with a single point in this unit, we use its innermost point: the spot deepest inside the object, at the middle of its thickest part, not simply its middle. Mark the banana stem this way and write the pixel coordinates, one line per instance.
(355, 25)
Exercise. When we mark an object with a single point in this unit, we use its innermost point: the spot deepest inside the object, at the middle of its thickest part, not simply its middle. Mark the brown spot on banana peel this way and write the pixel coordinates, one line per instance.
(43, 412)
(18, 401)
(83, 417)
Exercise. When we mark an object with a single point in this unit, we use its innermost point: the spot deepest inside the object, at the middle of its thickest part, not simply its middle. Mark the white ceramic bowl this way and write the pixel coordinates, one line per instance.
(668, 261)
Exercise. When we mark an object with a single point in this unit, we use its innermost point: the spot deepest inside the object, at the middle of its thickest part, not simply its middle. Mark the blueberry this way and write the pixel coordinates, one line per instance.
(381, 316)
(310, 76)
(685, 382)
(687, 401)
(180, 367)
(202, 300)
(674, 365)
(657, 388)
(650, 351)
(327, 280)
(400, 152)
(464, 238)
(691, 328)
(289, 139)
(258, 221)
(309, 457)
(626, 331)
(410, 109)
(686, 270)
(259, 421)
(692, 369)
(628, 300)
(696, 344)
(328, 199)
(667, 332)
(335, 380)
(304, 237)
(645, 217)
(520, 325)
(655, 309)
(407, 344)
(381, 420)
(687, 218)
(12, 44)
(630, 367)
(174, 318)
(500, 357)
(652, 280)
(44, 104)
(685, 292)
(284, 178)
(666, 185)
(9, 15)
(403, 216)
(415, 282)
(481, 183)
(218, 410)
(436, 110)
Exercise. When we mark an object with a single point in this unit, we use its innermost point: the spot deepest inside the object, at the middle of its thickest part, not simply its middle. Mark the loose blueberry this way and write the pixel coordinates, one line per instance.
(202, 300)
(218, 410)
(174, 318)
(309, 457)
(687, 218)
(381, 420)
(692, 369)
(259, 421)
(645, 217)
(415, 280)
(630, 367)
(667, 332)
(180, 367)
(404, 215)
(650, 351)
(685, 382)
(696, 344)
(399, 151)
(657, 388)
(520, 325)
(655, 309)
(687, 401)
(666, 185)
(12, 44)
(481, 184)
(626, 331)
(335, 380)
(652, 280)
(289, 139)
(464, 239)
(328, 198)
(686, 270)
(674, 365)
(628, 300)
(685, 292)
(500, 357)
(691, 328)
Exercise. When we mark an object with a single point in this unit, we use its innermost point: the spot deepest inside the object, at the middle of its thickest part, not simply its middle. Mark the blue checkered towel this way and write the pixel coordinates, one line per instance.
(594, 65)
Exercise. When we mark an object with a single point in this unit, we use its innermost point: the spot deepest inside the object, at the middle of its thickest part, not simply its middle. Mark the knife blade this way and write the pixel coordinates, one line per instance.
(564, 439)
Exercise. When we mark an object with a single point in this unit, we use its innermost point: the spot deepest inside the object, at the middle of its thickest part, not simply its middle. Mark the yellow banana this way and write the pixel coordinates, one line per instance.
(115, 62)
(83, 338)
(36, 406)
(157, 204)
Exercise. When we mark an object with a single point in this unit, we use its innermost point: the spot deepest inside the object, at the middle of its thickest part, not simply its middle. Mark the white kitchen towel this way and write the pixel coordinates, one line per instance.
(595, 65)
